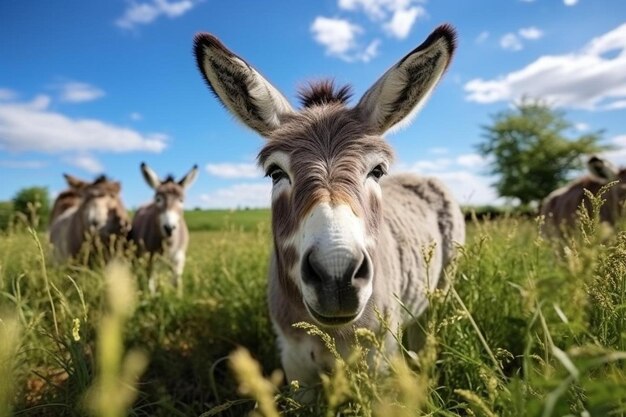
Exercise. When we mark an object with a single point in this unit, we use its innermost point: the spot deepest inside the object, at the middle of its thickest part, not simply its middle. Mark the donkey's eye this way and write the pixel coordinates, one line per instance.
(377, 172)
(276, 174)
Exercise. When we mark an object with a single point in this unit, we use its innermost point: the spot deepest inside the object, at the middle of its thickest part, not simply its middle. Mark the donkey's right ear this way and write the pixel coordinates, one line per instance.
(75, 183)
(150, 176)
(239, 87)
(602, 169)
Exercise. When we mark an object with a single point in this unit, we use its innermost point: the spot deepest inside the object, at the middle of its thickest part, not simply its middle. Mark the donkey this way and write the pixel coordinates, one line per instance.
(560, 207)
(160, 225)
(348, 238)
(67, 198)
(98, 218)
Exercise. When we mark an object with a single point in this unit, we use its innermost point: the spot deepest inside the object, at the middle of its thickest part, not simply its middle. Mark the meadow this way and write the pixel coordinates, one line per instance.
(529, 327)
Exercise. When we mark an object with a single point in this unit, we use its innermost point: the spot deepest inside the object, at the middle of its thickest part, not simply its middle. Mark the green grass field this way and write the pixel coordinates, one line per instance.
(529, 328)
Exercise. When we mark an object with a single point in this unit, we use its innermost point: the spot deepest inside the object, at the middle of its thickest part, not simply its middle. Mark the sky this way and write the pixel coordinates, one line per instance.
(90, 87)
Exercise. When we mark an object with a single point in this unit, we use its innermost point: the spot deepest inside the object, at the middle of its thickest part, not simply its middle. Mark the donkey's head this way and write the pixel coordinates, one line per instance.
(326, 161)
(102, 209)
(168, 197)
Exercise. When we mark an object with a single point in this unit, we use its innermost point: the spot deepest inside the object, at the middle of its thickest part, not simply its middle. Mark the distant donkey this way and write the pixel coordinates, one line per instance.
(67, 198)
(94, 219)
(348, 239)
(561, 206)
(160, 225)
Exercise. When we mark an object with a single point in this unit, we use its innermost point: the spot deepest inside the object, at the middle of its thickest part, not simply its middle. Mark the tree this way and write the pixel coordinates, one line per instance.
(33, 203)
(530, 153)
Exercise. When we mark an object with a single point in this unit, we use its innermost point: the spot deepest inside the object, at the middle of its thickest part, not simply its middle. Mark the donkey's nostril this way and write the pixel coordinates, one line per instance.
(311, 272)
(364, 269)
(168, 229)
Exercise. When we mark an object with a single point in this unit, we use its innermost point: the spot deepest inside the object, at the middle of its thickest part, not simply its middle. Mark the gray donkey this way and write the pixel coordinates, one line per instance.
(159, 227)
(348, 238)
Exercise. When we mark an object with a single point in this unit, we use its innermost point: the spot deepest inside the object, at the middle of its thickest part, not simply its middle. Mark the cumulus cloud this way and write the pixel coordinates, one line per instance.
(592, 78)
(339, 37)
(531, 33)
(7, 94)
(402, 21)
(511, 42)
(33, 126)
(147, 12)
(471, 160)
(85, 162)
(570, 2)
(14, 164)
(618, 154)
(482, 37)
(78, 92)
(234, 170)
(253, 195)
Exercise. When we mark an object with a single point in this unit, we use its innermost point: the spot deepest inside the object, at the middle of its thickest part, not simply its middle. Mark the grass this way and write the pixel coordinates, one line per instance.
(530, 327)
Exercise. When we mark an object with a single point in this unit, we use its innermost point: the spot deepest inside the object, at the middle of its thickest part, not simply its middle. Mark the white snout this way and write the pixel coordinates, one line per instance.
(334, 260)
(97, 214)
(170, 220)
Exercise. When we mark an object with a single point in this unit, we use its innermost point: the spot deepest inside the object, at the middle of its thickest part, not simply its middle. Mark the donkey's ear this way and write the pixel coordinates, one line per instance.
(189, 178)
(403, 89)
(75, 183)
(150, 176)
(602, 169)
(239, 87)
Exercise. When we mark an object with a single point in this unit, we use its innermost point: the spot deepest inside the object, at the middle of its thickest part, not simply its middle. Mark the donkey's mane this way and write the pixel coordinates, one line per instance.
(100, 179)
(322, 92)
(169, 178)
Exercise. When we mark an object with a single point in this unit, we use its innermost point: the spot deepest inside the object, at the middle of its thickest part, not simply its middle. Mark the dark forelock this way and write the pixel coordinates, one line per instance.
(322, 92)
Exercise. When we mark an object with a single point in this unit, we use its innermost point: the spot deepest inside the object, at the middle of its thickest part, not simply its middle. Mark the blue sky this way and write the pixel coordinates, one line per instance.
(99, 86)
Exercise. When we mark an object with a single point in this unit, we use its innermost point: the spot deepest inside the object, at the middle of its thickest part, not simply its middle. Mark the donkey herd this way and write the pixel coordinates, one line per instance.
(350, 242)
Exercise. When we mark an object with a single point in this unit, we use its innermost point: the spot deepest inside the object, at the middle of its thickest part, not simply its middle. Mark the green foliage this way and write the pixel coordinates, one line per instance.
(32, 204)
(6, 214)
(530, 152)
(530, 327)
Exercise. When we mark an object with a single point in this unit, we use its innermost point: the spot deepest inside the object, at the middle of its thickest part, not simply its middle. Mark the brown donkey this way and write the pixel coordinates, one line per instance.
(160, 225)
(98, 218)
(348, 239)
(560, 208)
(67, 198)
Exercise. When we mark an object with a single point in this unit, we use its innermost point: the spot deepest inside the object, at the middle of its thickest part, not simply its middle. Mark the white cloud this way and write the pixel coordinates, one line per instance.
(33, 126)
(242, 195)
(471, 160)
(402, 21)
(427, 165)
(339, 37)
(570, 2)
(511, 42)
(585, 79)
(617, 155)
(482, 37)
(581, 127)
(234, 170)
(78, 92)
(85, 162)
(396, 17)
(13, 164)
(438, 151)
(148, 12)
(7, 94)
(531, 33)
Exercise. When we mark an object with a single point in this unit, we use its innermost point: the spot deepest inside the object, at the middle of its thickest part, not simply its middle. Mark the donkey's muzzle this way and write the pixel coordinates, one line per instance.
(336, 278)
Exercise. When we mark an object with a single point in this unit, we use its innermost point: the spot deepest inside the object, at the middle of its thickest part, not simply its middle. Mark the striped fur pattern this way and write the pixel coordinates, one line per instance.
(348, 238)
(159, 227)
(95, 216)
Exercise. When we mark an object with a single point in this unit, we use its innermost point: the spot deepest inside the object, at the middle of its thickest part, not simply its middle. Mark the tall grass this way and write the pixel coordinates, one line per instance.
(529, 327)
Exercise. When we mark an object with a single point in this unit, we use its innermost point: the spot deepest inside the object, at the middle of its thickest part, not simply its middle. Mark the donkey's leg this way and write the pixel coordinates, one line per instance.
(152, 278)
(178, 266)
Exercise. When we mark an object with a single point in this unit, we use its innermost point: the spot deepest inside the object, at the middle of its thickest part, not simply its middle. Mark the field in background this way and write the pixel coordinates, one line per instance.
(530, 328)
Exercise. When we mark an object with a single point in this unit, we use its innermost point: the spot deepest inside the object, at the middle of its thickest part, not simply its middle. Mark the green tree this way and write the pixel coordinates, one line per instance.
(32, 204)
(530, 152)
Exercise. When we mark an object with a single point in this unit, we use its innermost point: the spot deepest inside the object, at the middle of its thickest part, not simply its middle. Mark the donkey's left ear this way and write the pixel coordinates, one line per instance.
(403, 89)
(188, 179)
(240, 88)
